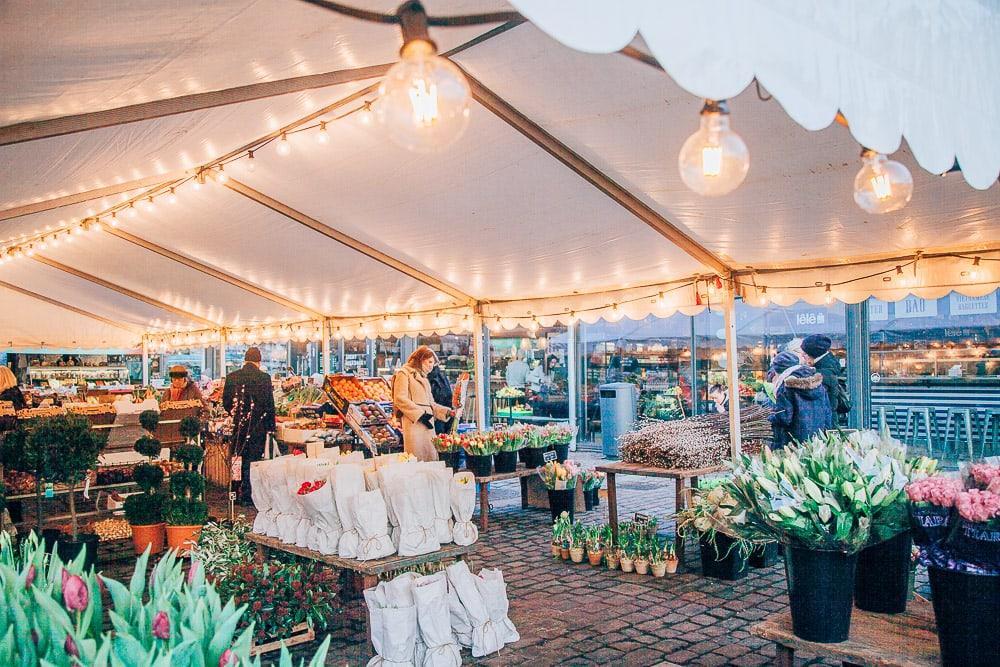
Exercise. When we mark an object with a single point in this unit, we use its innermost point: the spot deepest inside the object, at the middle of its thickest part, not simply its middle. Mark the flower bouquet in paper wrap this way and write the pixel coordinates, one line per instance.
(440, 483)
(414, 502)
(430, 593)
(463, 504)
(263, 523)
(494, 592)
(372, 524)
(285, 520)
(487, 637)
(348, 483)
(321, 510)
(559, 476)
(593, 479)
(393, 625)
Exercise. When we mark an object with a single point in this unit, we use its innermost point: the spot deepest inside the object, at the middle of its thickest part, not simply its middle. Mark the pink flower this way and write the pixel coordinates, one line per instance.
(30, 576)
(161, 625)
(940, 491)
(978, 506)
(76, 595)
(984, 474)
(227, 659)
(70, 647)
(193, 572)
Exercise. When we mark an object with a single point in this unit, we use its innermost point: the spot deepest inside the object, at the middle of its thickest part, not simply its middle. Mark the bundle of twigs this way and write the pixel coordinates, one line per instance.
(695, 442)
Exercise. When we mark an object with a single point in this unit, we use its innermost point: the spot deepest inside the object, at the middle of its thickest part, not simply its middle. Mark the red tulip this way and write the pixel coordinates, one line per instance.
(193, 572)
(161, 625)
(227, 659)
(76, 595)
(30, 576)
(70, 647)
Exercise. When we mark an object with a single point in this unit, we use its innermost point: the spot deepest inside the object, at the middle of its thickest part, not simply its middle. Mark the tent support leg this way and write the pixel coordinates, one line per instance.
(732, 371)
(325, 361)
(222, 353)
(481, 369)
(145, 362)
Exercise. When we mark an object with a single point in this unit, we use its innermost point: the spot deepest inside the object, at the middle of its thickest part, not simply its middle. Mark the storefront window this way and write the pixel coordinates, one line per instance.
(356, 356)
(274, 358)
(533, 366)
(389, 354)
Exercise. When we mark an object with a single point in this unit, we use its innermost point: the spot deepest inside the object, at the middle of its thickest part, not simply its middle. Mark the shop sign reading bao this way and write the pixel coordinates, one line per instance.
(877, 310)
(913, 306)
(972, 305)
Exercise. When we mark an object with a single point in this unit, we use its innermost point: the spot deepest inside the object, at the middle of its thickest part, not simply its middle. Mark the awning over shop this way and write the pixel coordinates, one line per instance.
(562, 200)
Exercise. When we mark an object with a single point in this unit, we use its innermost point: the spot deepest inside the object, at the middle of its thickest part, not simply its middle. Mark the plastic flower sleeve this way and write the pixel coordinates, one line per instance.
(494, 591)
(372, 525)
(434, 621)
(348, 483)
(463, 504)
(485, 638)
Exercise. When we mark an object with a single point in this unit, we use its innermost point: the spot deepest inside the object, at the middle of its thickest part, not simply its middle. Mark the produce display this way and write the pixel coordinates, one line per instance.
(180, 405)
(383, 436)
(365, 404)
(169, 467)
(695, 442)
(33, 413)
(18, 483)
(292, 402)
(114, 474)
(368, 413)
(90, 408)
(375, 389)
(343, 389)
(111, 529)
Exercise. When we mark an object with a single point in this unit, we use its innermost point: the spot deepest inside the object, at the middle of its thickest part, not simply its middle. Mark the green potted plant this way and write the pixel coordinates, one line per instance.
(562, 529)
(708, 514)
(190, 429)
(657, 561)
(670, 557)
(628, 556)
(560, 480)
(144, 510)
(69, 449)
(579, 543)
(595, 545)
(642, 555)
(186, 511)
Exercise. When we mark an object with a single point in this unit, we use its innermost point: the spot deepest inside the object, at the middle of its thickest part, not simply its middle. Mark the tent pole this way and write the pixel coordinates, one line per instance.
(145, 362)
(571, 374)
(480, 369)
(325, 368)
(732, 370)
(222, 353)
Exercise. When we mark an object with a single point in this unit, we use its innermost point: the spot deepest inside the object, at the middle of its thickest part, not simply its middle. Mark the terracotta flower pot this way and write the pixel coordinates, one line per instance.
(628, 564)
(642, 566)
(564, 553)
(555, 550)
(182, 537)
(151, 536)
(658, 569)
(576, 554)
(672, 565)
(595, 557)
(612, 561)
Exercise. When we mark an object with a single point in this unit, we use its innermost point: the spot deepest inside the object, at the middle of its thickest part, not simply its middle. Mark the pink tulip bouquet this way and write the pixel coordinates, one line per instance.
(931, 503)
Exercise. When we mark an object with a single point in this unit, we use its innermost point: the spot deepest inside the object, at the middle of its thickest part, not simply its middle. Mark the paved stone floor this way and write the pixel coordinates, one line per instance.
(569, 614)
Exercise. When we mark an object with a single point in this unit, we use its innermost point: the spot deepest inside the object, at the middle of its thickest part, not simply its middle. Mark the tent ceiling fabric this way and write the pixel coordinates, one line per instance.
(493, 215)
(20, 317)
(923, 70)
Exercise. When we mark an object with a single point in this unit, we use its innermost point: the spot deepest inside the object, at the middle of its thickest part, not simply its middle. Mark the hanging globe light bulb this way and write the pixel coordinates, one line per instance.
(882, 185)
(424, 99)
(714, 160)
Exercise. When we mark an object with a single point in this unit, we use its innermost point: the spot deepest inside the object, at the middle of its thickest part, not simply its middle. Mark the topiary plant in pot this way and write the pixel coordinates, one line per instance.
(71, 449)
(189, 428)
(144, 511)
(186, 511)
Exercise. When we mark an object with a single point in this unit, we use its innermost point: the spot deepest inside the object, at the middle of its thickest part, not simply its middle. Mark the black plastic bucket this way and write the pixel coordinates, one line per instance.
(562, 501)
(930, 524)
(533, 457)
(67, 549)
(480, 466)
(505, 461)
(764, 555)
(821, 593)
(883, 575)
(975, 543)
(450, 459)
(562, 452)
(721, 560)
(966, 609)
(589, 499)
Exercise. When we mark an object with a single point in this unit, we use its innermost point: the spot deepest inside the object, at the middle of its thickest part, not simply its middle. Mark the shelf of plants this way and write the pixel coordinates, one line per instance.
(366, 406)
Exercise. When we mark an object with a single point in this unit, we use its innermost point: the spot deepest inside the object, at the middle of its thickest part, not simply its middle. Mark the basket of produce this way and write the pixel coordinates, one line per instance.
(368, 413)
(384, 438)
(299, 431)
(171, 412)
(293, 401)
(34, 413)
(342, 390)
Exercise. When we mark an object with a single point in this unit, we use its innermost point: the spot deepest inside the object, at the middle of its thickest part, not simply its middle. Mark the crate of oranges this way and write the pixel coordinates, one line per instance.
(343, 390)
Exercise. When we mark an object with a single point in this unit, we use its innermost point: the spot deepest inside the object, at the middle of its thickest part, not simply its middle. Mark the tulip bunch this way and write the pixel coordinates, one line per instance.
(938, 491)
(822, 494)
(557, 475)
(557, 434)
(309, 487)
(979, 507)
(53, 615)
(446, 443)
(479, 443)
(511, 439)
(593, 479)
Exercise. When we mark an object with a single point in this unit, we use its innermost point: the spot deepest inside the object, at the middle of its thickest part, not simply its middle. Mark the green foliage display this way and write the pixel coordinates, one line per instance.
(149, 420)
(144, 509)
(180, 512)
(148, 446)
(148, 476)
(221, 547)
(190, 455)
(187, 484)
(190, 427)
(53, 614)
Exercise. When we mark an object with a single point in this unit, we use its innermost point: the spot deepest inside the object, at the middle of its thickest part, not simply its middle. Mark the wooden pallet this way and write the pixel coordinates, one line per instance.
(301, 633)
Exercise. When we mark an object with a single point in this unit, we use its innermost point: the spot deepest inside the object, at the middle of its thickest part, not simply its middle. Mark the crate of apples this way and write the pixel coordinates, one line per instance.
(375, 389)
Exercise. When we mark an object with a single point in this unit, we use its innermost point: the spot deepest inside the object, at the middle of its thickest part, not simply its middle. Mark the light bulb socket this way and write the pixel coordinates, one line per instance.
(868, 152)
(720, 107)
(413, 24)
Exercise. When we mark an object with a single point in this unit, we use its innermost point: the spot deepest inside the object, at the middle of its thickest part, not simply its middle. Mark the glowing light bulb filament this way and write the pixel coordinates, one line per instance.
(711, 160)
(424, 100)
(881, 186)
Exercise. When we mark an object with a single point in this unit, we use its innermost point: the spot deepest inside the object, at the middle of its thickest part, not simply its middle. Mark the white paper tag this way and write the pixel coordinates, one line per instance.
(236, 469)
(86, 488)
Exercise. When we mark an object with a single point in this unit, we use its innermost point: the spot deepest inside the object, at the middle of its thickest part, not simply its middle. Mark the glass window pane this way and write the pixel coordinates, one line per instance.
(533, 363)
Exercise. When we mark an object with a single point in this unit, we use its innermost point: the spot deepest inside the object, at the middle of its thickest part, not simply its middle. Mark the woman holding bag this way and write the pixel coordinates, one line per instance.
(414, 404)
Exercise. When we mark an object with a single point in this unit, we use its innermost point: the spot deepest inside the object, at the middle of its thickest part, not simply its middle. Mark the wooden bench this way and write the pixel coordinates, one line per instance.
(521, 473)
(876, 640)
(367, 570)
(682, 477)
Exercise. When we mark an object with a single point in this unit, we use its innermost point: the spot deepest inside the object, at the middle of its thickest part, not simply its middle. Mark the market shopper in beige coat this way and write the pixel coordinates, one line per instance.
(414, 405)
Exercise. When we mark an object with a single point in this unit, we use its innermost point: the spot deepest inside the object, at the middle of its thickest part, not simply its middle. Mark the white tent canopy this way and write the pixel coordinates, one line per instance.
(562, 199)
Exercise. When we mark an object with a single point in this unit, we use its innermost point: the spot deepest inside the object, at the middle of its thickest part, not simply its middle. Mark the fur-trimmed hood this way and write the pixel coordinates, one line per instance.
(804, 383)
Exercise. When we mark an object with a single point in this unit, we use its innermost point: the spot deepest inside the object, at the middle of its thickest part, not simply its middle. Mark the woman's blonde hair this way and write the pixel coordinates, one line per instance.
(419, 355)
(7, 379)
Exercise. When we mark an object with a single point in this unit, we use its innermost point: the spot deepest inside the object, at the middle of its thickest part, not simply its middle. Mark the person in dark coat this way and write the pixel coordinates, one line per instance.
(248, 397)
(802, 407)
(816, 353)
(442, 394)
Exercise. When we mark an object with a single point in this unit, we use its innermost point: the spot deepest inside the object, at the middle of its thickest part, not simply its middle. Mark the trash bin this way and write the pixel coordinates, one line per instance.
(618, 411)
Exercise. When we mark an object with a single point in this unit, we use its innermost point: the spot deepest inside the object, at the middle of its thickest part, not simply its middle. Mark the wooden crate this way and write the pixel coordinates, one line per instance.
(301, 634)
(538, 495)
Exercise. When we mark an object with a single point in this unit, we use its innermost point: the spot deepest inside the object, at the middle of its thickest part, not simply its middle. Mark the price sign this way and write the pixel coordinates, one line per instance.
(641, 519)
(50, 491)
(236, 469)
(548, 456)
(232, 496)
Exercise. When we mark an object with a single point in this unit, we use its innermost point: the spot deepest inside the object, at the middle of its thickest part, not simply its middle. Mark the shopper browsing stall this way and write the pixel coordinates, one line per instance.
(442, 393)
(249, 399)
(414, 404)
(182, 387)
(816, 353)
(802, 407)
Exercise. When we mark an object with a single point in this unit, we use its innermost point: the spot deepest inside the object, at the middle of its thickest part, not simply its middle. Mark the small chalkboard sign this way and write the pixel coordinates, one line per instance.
(641, 519)
(548, 456)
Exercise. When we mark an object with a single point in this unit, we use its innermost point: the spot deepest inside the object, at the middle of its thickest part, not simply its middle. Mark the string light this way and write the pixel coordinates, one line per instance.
(714, 160)
(323, 136)
(828, 295)
(130, 211)
(366, 114)
(882, 185)
(762, 296)
(221, 176)
(171, 197)
(284, 148)
(148, 204)
(114, 219)
(974, 272)
(251, 163)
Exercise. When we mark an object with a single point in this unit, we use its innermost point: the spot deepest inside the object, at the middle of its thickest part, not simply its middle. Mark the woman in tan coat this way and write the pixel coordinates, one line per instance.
(414, 406)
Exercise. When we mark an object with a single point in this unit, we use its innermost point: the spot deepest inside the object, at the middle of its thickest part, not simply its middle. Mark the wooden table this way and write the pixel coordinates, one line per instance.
(679, 475)
(521, 473)
(368, 570)
(876, 640)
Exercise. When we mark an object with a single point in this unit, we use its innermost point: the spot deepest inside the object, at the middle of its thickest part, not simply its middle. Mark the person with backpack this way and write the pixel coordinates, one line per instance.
(816, 353)
(801, 405)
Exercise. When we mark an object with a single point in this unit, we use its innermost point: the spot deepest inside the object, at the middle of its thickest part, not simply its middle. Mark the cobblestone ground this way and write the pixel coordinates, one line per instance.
(569, 614)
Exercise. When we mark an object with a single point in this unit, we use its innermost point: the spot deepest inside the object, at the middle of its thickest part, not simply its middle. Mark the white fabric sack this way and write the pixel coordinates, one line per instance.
(372, 525)
(371, 479)
(260, 493)
(399, 594)
(285, 520)
(430, 594)
(494, 591)
(296, 475)
(439, 479)
(461, 625)
(485, 638)
(320, 506)
(415, 510)
(393, 631)
(348, 483)
(332, 454)
(463, 504)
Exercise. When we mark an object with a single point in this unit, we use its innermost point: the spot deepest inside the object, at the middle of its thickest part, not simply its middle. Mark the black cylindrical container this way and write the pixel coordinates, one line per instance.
(480, 466)
(966, 610)
(505, 461)
(883, 575)
(561, 501)
(821, 593)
